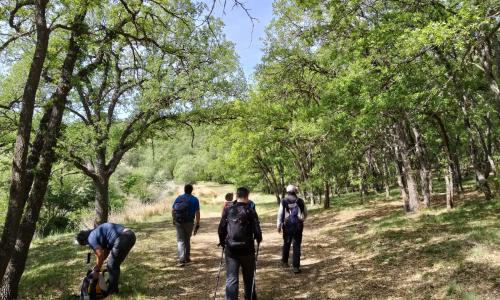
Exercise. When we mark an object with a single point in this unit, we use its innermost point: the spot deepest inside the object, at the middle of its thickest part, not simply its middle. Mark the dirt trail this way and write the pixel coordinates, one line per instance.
(328, 269)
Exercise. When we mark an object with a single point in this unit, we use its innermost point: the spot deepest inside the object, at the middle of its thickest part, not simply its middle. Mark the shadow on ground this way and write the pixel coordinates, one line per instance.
(371, 251)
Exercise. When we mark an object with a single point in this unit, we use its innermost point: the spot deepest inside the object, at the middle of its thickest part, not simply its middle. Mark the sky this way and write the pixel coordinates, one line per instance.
(238, 29)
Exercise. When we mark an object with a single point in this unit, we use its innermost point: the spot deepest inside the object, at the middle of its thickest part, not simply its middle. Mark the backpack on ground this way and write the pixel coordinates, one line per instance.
(239, 227)
(294, 217)
(181, 210)
(93, 289)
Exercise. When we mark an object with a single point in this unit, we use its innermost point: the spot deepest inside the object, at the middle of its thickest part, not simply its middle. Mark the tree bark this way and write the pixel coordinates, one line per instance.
(18, 187)
(448, 178)
(409, 172)
(101, 200)
(326, 203)
(387, 186)
(402, 185)
(425, 178)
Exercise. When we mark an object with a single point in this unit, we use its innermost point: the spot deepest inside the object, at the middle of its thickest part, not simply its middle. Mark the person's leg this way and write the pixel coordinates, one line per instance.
(287, 241)
(120, 250)
(297, 242)
(248, 269)
(181, 243)
(188, 231)
(232, 270)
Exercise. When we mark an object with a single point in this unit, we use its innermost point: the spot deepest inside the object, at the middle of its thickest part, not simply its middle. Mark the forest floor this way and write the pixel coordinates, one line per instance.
(358, 249)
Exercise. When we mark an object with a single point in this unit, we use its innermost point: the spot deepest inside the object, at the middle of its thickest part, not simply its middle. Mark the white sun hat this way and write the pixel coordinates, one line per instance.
(291, 189)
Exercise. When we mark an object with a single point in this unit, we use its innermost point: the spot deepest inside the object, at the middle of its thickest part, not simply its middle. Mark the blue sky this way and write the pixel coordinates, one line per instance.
(239, 30)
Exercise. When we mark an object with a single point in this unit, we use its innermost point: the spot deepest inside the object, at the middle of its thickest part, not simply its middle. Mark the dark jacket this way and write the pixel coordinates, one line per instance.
(254, 232)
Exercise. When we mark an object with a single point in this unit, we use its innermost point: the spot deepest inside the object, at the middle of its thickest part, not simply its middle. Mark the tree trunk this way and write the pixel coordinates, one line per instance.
(48, 135)
(451, 155)
(362, 182)
(101, 200)
(18, 187)
(409, 172)
(326, 203)
(424, 166)
(402, 185)
(448, 178)
(387, 186)
(479, 162)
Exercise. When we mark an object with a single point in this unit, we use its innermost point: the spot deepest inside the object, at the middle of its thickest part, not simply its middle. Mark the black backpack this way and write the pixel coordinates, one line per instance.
(181, 210)
(239, 231)
(92, 289)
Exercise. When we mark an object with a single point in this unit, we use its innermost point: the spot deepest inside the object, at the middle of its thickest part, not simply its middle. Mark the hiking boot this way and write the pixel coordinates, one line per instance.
(181, 264)
(296, 270)
(284, 264)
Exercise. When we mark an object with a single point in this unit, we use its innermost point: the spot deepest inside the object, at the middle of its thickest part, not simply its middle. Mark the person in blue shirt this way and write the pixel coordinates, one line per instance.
(111, 241)
(185, 217)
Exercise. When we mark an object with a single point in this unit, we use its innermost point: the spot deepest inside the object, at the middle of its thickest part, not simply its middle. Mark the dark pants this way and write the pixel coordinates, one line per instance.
(233, 264)
(120, 250)
(290, 236)
(184, 232)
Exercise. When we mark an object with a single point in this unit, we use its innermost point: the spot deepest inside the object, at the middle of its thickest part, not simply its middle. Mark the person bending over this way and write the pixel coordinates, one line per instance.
(111, 241)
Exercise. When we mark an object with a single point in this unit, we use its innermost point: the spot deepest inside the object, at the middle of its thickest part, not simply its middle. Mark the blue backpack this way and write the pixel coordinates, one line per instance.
(293, 213)
(181, 210)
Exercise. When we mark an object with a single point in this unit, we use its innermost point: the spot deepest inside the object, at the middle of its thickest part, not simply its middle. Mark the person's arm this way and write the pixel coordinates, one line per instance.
(101, 255)
(222, 230)
(197, 217)
(304, 210)
(173, 212)
(279, 222)
(257, 231)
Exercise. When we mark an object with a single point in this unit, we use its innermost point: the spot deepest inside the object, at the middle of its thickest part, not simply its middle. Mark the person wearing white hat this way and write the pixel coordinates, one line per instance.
(291, 216)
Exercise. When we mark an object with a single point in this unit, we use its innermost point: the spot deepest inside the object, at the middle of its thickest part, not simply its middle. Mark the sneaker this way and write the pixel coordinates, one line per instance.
(296, 270)
(188, 260)
(181, 264)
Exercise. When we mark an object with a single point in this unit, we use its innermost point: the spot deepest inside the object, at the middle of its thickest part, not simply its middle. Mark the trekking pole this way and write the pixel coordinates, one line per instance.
(218, 275)
(255, 271)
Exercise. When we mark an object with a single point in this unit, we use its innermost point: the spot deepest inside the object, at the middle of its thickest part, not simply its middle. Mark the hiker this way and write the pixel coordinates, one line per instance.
(291, 216)
(185, 216)
(238, 228)
(228, 200)
(111, 241)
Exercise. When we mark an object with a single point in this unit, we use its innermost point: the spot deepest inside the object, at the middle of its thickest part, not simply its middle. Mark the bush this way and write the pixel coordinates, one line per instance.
(67, 199)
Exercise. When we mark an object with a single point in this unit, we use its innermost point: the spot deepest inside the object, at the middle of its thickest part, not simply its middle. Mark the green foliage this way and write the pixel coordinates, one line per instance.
(67, 200)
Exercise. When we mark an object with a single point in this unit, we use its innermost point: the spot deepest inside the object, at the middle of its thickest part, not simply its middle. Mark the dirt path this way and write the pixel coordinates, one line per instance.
(328, 269)
(344, 256)
(355, 250)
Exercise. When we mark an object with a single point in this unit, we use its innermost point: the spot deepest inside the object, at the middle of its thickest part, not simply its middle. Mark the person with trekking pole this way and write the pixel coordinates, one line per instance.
(185, 217)
(238, 228)
(291, 216)
(111, 241)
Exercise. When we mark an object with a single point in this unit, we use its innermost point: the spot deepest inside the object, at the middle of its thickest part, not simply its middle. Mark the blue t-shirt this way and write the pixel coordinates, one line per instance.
(105, 235)
(194, 204)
